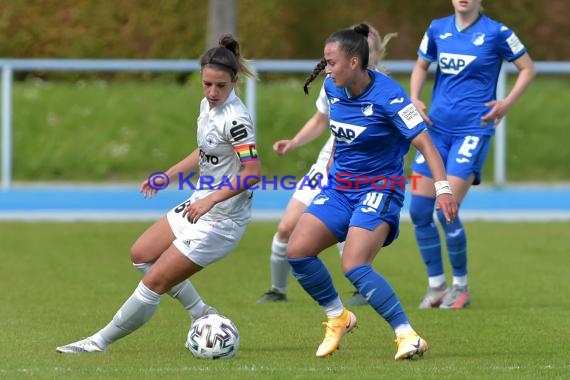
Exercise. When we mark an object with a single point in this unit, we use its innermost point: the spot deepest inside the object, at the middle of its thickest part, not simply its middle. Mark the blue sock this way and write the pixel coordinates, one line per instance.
(427, 236)
(379, 294)
(314, 278)
(456, 244)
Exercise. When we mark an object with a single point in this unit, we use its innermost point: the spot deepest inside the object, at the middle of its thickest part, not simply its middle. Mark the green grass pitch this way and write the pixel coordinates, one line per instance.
(63, 281)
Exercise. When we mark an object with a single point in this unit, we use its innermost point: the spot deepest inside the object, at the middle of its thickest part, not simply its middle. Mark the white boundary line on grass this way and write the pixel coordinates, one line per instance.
(269, 215)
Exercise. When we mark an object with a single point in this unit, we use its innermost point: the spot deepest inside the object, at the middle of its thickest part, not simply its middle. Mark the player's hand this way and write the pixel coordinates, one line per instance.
(282, 146)
(421, 107)
(447, 204)
(147, 190)
(498, 111)
(196, 209)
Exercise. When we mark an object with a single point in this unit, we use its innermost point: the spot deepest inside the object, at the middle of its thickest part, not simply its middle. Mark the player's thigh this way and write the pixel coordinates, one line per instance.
(310, 236)
(153, 242)
(422, 185)
(362, 245)
(290, 218)
(460, 186)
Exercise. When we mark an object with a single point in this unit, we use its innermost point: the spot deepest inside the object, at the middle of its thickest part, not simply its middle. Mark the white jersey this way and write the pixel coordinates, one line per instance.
(318, 171)
(323, 107)
(226, 138)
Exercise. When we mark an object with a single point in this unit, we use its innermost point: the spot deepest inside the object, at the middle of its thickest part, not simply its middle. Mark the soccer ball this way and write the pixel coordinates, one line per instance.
(213, 336)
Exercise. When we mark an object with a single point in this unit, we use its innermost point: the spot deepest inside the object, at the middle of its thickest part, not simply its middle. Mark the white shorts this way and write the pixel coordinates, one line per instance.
(318, 176)
(204, 242)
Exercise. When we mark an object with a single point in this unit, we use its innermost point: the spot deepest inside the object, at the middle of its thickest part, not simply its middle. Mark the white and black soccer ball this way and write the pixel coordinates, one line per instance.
(213, 336)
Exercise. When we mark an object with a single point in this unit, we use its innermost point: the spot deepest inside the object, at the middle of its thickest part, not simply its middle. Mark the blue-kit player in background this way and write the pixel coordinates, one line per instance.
(469, 49)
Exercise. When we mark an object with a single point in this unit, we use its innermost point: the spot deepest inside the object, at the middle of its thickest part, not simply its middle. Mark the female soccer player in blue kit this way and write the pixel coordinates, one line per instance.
(469, 49)
(373, 122)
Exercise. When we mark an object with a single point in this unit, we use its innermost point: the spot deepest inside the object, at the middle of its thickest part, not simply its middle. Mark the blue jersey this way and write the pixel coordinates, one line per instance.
(372, 133)
(469, 62)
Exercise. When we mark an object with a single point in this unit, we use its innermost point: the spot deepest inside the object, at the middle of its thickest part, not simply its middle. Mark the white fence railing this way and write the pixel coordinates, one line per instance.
(9, 66)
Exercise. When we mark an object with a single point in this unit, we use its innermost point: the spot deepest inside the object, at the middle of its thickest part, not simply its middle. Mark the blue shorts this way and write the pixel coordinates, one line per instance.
(339, 210)
(462, 155)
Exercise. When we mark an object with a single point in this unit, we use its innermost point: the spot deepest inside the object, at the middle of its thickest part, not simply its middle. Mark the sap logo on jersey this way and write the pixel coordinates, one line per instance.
(345, 132)
(454, 63)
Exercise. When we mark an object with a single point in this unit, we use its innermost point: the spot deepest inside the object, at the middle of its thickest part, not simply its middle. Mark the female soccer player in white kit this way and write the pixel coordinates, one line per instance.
(210, 224)
(303, 196)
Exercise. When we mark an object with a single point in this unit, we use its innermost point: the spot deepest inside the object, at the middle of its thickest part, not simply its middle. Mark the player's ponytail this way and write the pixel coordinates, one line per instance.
(316, 71)
(227, 57)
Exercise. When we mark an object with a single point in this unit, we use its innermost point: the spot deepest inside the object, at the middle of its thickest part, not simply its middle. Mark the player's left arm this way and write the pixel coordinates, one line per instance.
(509, 47)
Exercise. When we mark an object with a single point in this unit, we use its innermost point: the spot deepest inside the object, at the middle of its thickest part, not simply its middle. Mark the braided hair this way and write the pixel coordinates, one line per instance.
(353, 41)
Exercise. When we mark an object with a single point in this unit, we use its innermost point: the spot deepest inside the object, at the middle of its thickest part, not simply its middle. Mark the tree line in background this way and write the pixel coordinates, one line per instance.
(268, 29)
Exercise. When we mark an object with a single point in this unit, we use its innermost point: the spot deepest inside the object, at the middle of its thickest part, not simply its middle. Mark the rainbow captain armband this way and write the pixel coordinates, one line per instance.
(246, 152)
(442, 187)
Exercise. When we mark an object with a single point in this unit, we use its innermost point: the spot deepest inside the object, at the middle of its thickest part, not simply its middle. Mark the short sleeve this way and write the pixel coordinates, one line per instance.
(428, 48)
(322, 102)
(508, 44)
(404, 115)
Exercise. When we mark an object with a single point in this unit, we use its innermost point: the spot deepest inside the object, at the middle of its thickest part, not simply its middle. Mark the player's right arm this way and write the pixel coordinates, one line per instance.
(417, 80)
(186, 165)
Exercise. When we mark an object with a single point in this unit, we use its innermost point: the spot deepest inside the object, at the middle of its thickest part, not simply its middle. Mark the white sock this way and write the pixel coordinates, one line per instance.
(403, 329)
(280, 267)
(134, 313)
(460, 281)
(334, 309)
(436, 281)
(184, 292)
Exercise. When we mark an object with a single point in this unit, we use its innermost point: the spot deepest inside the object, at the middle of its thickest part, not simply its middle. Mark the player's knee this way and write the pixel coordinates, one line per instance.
(284, 231)
(294, 251)
(136, 254)
(421, 210)
(156, 282)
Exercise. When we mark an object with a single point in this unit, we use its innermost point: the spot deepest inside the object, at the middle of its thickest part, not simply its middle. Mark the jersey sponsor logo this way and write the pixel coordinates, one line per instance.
(397, 100)
(445, 35)
(515, 44)
(410, 116)
(345, 132)
(478, 39)
(454, 63)
(238, 132)
(208, 158)
(368, 109)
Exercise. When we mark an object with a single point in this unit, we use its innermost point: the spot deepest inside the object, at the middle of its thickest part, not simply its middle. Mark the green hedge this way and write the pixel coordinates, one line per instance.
(123, 131)
(268, 28)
